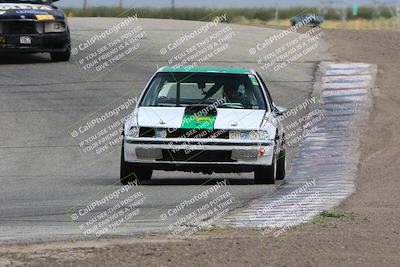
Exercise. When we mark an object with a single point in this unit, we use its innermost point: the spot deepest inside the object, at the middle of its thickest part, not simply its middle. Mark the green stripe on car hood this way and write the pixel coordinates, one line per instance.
(206, 69)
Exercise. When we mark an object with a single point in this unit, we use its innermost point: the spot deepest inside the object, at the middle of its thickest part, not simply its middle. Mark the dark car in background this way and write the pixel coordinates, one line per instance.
(307, 19)
(34, 26)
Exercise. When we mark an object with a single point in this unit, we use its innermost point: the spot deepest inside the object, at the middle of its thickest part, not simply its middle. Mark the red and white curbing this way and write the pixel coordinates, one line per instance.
(325, 168)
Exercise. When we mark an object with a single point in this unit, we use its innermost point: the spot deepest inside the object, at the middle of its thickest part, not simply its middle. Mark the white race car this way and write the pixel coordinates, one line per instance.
(204, 120)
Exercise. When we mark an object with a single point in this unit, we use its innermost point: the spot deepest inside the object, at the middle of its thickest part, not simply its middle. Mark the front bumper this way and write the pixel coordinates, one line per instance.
(178, 153)
(40, 43)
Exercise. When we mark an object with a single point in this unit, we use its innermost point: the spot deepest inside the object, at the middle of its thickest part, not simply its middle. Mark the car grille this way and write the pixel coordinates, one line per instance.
(187, 133)
(146, 132)
(20, 27)
(196, 155)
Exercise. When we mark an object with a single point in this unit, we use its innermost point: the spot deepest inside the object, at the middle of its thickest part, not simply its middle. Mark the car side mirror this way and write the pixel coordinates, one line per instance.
(279, 110)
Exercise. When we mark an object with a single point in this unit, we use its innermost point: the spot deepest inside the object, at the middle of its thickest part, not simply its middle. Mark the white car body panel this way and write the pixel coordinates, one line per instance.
(171, 117)
(239, 119)
(162, 117)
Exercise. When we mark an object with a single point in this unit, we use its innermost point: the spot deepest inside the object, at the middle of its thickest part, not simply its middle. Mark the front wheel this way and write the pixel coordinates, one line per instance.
(61, 56)
(281, 166)
(131, 172)
(266, 174)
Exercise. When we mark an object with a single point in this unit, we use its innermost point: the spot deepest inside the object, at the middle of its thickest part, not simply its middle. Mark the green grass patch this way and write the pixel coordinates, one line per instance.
(330, 217)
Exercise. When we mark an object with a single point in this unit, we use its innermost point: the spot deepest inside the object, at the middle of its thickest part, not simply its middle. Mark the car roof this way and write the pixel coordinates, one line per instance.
(226, 70)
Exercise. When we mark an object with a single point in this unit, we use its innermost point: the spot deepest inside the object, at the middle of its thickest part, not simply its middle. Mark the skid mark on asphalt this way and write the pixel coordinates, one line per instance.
(325, 168)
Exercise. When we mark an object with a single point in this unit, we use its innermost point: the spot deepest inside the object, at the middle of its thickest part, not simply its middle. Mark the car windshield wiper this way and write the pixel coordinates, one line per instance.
(232, 105)
(162, 105)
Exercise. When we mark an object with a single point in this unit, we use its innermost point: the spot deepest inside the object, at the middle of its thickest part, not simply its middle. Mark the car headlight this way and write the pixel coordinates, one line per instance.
(248, 135)
(131, 128)
(132, 131)
(269, 121)
(259, 135)
(54, 26)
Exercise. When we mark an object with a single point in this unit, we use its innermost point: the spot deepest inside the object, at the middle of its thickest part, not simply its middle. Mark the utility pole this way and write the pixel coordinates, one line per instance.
(172, 9)
(377, 12)
(121, 5)
(84, 8)
(276, 11)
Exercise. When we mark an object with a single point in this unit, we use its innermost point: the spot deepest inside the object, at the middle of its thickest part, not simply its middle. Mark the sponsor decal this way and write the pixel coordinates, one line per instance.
(23, 6)
(44, 17)
(198, 122)
(253, 80)
(33, 12)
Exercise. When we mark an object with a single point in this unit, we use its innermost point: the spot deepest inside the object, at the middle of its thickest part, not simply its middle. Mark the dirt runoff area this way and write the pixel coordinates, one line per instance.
(363, 231)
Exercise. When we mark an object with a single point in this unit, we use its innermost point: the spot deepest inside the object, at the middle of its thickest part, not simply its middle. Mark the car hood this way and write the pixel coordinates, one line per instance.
(174, 117)
(15, 11)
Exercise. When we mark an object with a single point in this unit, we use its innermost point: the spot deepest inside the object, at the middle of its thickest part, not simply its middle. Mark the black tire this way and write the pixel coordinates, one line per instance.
(131, 172)
(266, 174)
(281, 166)
(61, 56)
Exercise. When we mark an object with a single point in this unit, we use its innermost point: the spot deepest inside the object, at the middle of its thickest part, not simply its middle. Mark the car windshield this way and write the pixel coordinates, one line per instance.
(236, 91)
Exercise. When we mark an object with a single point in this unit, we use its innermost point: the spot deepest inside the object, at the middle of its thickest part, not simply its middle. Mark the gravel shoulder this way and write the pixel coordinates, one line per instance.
(363, 231)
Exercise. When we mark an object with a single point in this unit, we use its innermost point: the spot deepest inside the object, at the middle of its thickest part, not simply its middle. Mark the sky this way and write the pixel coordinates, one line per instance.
(208, 3)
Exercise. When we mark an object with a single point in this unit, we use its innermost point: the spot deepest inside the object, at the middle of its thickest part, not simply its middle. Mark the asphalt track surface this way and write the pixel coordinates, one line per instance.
(43, 178)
